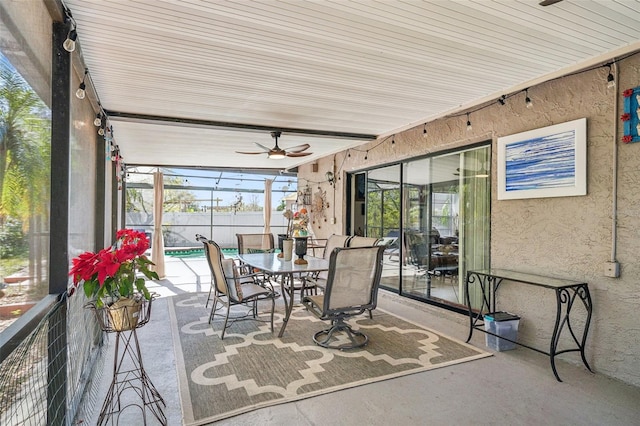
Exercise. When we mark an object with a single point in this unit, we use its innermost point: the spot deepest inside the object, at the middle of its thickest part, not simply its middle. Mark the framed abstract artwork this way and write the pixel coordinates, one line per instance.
(546, 162)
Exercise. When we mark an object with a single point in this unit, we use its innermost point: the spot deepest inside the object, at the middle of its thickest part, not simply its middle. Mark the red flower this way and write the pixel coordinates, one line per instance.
(84, 267)
(625, 117)
(112, 271)
(627, 138)
(107, 266)
(627, 93)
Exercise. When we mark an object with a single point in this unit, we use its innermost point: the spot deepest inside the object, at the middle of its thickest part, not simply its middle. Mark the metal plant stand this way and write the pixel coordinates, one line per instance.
(130, 386)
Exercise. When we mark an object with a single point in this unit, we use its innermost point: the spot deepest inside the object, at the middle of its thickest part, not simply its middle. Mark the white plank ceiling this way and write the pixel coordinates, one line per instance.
(329, 67)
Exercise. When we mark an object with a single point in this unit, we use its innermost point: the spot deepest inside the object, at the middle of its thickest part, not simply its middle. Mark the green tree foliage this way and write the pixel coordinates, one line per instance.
(383, 211)
(24, 148)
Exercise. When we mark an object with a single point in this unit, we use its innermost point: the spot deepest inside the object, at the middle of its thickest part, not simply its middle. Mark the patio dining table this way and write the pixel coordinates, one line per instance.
(286, 269)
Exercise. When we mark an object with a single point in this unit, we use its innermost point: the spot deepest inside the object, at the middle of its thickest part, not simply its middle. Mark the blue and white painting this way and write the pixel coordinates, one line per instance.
(546, 162)
(542, 162)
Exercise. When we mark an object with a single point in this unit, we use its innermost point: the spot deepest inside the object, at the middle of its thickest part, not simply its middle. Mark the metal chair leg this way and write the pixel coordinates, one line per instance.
(226, 319)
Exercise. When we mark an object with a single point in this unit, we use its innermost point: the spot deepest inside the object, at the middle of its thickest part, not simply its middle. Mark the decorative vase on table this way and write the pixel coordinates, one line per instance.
(281, 238)
(301, 250)
(287, 248)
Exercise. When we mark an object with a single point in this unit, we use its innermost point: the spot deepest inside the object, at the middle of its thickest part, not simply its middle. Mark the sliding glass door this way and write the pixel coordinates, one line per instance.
(433, 215)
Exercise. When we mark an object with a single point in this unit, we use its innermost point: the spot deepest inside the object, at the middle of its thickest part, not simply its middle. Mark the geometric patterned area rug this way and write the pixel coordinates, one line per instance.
(253, 368)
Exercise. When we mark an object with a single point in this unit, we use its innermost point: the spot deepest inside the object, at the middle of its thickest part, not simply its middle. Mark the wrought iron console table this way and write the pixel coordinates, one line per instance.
(567, 293)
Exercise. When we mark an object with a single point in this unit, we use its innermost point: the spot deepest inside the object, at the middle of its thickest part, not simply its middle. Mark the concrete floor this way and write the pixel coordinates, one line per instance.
(510, 388)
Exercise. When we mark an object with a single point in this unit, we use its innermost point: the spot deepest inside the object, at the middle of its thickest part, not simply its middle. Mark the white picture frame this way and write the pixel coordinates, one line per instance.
(546, 162)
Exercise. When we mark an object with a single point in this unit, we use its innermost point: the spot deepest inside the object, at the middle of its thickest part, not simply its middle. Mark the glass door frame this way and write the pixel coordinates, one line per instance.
(402, 280)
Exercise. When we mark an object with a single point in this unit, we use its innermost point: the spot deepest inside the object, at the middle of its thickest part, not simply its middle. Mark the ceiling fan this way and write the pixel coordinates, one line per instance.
(277, 153)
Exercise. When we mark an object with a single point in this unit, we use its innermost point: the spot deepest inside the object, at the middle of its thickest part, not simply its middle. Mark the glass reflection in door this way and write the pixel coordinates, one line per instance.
(383, 208)
(446, 224)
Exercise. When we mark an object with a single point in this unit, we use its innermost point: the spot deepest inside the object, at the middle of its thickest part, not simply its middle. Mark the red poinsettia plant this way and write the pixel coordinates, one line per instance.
(112, 272)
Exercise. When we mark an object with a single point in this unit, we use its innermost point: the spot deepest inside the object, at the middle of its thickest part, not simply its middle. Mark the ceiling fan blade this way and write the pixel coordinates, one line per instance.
(250, 153)
(548, 2)
(299, 148)
(298, 154)
(267, 149)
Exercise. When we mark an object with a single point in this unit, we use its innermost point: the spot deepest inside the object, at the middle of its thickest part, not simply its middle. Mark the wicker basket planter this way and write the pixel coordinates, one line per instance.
(123, 314)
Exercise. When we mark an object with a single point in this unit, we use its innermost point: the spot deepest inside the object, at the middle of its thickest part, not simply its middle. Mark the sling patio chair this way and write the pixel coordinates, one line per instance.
(231, 288)
(358, 241)
(351, 289)
(255, 243)
(318, 281)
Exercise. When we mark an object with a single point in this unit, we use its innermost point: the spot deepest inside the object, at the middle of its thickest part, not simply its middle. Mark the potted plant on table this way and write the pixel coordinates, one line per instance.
(110, 278)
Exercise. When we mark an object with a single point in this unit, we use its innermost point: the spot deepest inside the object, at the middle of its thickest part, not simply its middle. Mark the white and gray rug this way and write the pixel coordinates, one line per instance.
(253, 368)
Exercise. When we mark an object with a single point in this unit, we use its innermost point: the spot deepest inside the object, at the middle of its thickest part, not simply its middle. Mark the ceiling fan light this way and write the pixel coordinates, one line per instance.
(277, 156)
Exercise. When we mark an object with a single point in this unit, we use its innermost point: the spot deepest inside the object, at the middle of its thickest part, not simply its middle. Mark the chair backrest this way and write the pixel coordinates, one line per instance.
(249, 242)
(357, 241)
(223, 271)
(335, 241)
(418, 248)
(353, 279)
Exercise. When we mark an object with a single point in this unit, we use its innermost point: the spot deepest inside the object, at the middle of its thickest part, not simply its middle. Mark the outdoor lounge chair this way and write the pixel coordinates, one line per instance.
(351, 288)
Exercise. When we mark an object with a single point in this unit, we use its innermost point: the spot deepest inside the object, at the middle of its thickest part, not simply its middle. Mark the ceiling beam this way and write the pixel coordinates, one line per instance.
(192, 122)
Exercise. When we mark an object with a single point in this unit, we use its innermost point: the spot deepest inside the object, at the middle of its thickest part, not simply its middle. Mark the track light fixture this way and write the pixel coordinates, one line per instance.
(366, 155)
(501, 99)
(611, 82)
(81, 93)
(527, 99)
(393, 141)
(469, 128)
(424, 131)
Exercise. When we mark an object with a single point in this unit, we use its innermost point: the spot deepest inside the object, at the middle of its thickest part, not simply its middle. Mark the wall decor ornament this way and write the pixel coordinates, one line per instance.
(631, 116)
(546, 162)
(319, 206)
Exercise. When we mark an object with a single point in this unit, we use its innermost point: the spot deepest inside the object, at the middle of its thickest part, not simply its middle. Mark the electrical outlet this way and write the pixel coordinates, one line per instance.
(612, 269)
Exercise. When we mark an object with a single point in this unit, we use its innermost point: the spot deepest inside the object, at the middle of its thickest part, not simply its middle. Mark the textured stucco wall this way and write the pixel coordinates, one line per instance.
(569, 237)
